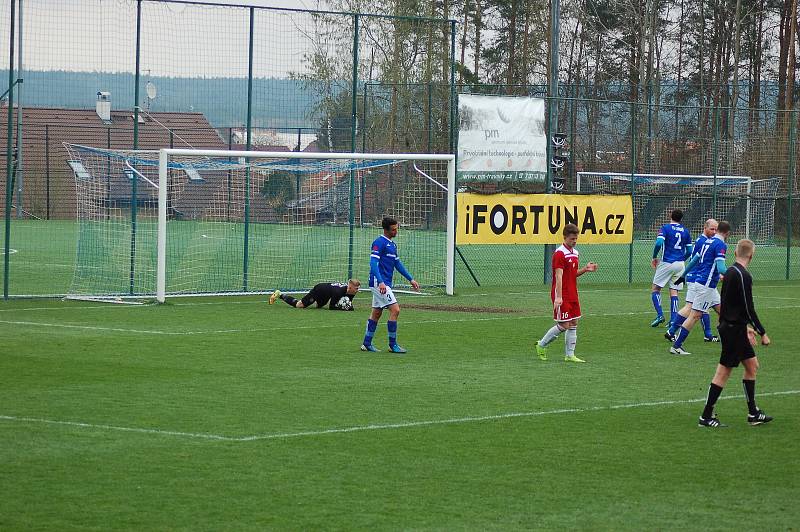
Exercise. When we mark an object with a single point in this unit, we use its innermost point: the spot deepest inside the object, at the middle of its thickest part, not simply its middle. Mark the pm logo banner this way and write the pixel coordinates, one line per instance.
(501, 137)
(540, 218)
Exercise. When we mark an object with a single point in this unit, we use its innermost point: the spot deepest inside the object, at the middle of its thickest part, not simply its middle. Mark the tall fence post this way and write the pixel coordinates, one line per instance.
(351, 218)
(453, 94)
(47, 170)
(134, 192)
(634, 164)
(9, 138)
(792, 169)
(552, 117)
(246, 249)
(715, 161)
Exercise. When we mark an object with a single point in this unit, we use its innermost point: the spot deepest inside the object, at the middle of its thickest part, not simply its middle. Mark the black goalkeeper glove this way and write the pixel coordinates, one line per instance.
(680, 280)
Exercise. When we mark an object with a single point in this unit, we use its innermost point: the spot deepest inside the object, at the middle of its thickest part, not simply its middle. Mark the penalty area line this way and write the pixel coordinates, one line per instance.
(380, 426)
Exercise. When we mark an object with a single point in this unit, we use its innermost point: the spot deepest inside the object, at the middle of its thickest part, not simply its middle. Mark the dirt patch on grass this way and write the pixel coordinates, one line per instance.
(460, 308)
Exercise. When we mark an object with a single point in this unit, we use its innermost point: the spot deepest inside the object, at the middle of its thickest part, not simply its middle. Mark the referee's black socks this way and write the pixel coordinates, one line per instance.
(714, 392)
(750, 394)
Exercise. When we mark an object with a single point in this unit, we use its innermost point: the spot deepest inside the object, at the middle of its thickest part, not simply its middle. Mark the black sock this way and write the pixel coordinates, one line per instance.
(750, 394)
(292, 302)
(714, 392)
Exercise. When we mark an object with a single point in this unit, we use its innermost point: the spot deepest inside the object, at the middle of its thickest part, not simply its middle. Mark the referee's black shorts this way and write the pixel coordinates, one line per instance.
(735, 344)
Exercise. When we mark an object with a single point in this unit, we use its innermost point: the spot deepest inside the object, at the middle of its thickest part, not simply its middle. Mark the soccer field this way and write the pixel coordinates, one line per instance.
(227, 413)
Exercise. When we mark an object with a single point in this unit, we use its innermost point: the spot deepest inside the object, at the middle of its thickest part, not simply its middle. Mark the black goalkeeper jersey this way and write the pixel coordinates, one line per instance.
(330, 294)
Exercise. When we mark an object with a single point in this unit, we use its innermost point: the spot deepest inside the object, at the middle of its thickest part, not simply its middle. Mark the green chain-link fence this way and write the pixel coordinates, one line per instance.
(209, 76)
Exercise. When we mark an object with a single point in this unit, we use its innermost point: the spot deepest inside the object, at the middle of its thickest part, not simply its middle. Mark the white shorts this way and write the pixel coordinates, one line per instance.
(705, 298)
(382, 300)
(691, 291)
(668, 272)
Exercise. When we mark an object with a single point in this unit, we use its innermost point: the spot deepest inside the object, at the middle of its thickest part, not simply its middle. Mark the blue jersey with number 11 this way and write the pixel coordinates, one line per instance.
(676, 239)
(712, 249)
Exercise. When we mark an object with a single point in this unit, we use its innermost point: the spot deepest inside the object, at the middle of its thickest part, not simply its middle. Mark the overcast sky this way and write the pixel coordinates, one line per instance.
(177, 39)
(292, 4)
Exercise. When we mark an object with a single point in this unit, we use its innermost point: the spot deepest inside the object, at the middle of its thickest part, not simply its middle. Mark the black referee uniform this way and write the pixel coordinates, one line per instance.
(323, 293)
(736, 312)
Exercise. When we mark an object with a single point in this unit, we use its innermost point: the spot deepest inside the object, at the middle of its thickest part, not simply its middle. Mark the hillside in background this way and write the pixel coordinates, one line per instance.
(276, 102)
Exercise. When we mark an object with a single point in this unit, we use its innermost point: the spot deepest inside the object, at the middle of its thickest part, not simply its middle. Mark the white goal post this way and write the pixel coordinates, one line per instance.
(312, 204)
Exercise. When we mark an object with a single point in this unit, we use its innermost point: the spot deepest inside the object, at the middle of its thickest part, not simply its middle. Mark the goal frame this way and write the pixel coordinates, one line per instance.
(163, 164)
(707, 180)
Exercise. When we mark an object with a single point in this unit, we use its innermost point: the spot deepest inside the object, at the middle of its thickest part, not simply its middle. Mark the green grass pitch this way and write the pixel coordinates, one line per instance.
(227, 413)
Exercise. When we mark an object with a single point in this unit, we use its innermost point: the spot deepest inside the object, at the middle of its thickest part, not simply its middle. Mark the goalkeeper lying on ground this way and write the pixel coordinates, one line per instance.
(339, 295)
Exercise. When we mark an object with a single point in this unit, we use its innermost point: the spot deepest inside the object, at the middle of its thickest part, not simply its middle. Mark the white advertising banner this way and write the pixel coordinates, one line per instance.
(501, 137)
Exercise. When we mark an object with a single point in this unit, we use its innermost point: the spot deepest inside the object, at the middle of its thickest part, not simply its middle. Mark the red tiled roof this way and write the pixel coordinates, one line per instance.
(49, 188)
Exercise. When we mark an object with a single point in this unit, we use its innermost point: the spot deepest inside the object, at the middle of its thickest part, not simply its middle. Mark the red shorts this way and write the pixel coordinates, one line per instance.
(569, 310)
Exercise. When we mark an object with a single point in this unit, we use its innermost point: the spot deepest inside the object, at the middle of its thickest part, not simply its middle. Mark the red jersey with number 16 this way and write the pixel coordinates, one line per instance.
(566, 259)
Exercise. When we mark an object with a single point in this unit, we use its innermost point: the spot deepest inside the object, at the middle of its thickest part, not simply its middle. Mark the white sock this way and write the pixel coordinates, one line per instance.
(569, 342)
(550, 335)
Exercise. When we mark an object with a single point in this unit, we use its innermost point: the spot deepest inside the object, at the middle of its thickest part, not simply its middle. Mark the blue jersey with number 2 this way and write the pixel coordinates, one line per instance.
(676, 240)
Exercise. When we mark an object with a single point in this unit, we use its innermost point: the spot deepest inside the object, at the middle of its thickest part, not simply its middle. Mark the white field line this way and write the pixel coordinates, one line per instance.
(637, 290)
(315, 326)
(381, 426)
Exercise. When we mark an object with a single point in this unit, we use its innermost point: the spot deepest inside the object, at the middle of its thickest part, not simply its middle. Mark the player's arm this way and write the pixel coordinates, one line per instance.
(558, 275)
(691, 264)
(747, 283)
(398, 264)
(657, 249)
(590, 267)
(719, 262)
(375, 270)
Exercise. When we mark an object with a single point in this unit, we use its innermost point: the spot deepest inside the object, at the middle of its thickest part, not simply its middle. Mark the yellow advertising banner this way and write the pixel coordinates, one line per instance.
(540, 218)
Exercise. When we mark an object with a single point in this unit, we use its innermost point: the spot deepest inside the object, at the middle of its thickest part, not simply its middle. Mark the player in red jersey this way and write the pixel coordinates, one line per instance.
(564, 294)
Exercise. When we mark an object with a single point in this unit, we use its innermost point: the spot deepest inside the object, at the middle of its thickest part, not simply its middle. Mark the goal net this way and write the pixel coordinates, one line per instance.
(204, 222)
(748, 204)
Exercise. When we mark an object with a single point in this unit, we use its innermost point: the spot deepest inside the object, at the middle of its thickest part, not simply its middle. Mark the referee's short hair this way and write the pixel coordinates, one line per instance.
(744, 248)
(388, 222)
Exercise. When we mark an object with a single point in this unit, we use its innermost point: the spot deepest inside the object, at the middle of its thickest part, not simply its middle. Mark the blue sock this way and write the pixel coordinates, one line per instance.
(706, 319)
(682, 334)
(677, 321)
(673, 307)
(656, 297)
(371, 326)
(391, 326)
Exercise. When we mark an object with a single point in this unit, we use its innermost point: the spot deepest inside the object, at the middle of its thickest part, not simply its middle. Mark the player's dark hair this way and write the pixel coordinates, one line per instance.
(724, 227)
(570, 229)
(677, 215)
(388, 222)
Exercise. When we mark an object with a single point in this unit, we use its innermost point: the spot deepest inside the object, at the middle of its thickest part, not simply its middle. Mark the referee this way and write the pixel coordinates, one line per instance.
(736, 314)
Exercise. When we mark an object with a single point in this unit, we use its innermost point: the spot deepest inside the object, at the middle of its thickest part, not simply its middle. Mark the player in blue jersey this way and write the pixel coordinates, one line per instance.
(709, 230)
(675, 241)
(383, 261)
(710, 263)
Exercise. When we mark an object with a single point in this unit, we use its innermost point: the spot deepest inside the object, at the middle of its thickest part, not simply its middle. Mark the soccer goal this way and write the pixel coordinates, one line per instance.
(748, 204)
(205, 222)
